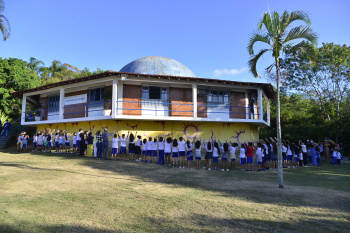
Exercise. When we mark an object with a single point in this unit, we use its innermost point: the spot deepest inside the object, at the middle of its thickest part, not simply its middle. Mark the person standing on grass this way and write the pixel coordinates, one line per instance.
(242, 158)
(149, 145)
(284, 155)
(49, 141)
(35, 141)
(61, 141)
(250, 150)
(114, 152)
(161, 151)
(304, 151)
(216, 153)
(209, 154)
(98, 137)
(6, 129)
(138, 147)
(258, 153)
(105, 146)
(224, 156)
(74, 142)
(318, 155)
(40, 140)
(189, 153)
(289, 154)
(66, 142)
(232, 148)
(19, 142)
(82, 143)
(123, 140)
(154, 150)
(198, 154)
(144, 150)
(296, 155)
(182, 152)
(168, 144)
(175, 150)
(90, 142)
(313, 155)
(131, 146)
(79, 140)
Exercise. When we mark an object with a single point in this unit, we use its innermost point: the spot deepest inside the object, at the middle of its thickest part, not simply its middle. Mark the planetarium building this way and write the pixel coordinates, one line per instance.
(153, 96)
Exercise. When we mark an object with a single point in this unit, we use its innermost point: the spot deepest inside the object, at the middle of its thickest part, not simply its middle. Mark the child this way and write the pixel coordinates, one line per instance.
(114, 152)
(289, 155)
(233, 155)
(40, 141)
(35, 140)
(335, 157)
(19, 142)
(182, 152)
(154, 150)
(339, 157)
(216, 153)
(209, 154)
(167, 150)
(301, 155)
(149, 149)
(175, 152)
(66, 142)
(284, 155)
(198, 154)
(318, 156)
(123, 145)
(250, 155)
(189, 154)
(161, 151)
(78, 141)
(74, 142)
(48, 142)
(224, 156)
(242, 157)
(25, 142)
(131, 146)
(267, 155)
(61, 141)
(273, 153)
(258, 153)
(144, 149)
(138, 147)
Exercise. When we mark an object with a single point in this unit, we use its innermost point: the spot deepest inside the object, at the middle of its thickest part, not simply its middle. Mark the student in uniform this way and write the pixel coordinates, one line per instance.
(154, 150)
(232, 148)
(114, 152)
(149, 145)
(242, 158)
(189, 153)
(40, 141)
(216, 153)
(209, 154)
(78, 140)
(66, 142)
(284, 155)
(175, 150)
(182, 152)
(19, 142)
(123, 140)
(198, 154)
(144, 150)
(49, 141)
(89, 147)
(131, 146)
(258, 154)
(35, 141)
(224, 156)
(138, 147)
(250, 150)
(167, 150)
(74, 142)
(161, 151)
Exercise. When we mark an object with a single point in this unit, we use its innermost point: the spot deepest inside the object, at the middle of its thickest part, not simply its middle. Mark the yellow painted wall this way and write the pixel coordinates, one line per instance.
(222, 131)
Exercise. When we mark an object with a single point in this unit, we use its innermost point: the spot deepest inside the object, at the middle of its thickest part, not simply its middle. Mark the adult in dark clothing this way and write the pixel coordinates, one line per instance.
(82, 143)
(105, 139)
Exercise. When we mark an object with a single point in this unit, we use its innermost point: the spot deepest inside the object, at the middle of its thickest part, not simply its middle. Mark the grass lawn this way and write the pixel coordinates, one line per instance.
(42, 192)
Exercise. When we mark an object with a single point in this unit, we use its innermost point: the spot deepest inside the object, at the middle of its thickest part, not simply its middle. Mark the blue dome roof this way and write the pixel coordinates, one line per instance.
(158, 65)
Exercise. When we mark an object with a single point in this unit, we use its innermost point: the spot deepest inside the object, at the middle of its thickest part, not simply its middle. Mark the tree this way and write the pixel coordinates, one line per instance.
(4, 23)
(15, 76)
(35, 64)
(326, 81)
(272, 31)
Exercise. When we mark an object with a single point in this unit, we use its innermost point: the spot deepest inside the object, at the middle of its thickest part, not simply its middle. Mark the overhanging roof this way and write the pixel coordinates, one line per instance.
(268, 88)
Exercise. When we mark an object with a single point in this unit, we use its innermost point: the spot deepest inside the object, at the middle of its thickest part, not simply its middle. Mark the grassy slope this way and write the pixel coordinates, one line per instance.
(66, 193)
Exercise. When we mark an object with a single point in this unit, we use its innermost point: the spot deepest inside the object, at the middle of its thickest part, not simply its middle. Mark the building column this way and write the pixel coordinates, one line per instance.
(194, 99)
(260, 104)
(246, 106)
(114, 97)
(268, 110)
(24, 105)
(61, 107)
(120, 98)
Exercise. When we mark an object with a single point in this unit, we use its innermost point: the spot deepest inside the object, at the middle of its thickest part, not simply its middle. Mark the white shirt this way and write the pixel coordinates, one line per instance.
(74, 139)
(321, 148)
(215, 152)
(303, 148)
(138, 142)
(35, 138)
(40, 139)
(144, 146)
(182, 145)
(338, 155)
(206, 147)
(189, 148)
(301, 156)
(199, 150)
(20, 138)
(167, 147)
(242, 153)
(115, 142)
(149, 145)
(175, 149)
(284, 149)
(289, 151)
(154, 145)
(161, 145)
(78, 136)
(66, 140)
(258, 151)
(123, 141)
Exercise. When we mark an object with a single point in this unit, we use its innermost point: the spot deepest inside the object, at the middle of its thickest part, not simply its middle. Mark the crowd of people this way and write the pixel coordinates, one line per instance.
(180, 152)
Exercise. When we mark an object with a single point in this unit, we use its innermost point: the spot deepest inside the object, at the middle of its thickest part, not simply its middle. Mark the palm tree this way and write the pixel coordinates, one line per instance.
(272, 31)
(4, 23)
(55, 67)
(35, 64)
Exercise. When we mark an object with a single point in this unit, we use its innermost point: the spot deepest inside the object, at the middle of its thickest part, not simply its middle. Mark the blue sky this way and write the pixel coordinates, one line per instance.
(209, 37)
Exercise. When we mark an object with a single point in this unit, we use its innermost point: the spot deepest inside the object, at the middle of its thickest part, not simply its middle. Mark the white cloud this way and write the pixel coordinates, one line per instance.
(221, 72)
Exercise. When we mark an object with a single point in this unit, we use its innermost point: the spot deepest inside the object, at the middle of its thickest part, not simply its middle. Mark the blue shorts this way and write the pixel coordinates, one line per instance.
(74, 145)
(259, 163)
(189, 153)
(57, 145)
(67, 144)
(144, 152)
(289, 157)
(182, 153)
(190, 158)
(296, 159)
(131, 151)
(198, 158)
(249, 159)
(40, 144)
(161, 153)
(25, 146)
(49, 144)
(122, 150)
(243, 161)
(233, 160)
(267, 157)
(34, 144)
(149, 153)
(154, 153)
(114, 151)
(167, 154)
(215, 159)
(224, 159)
(78, 143)
(175, 154)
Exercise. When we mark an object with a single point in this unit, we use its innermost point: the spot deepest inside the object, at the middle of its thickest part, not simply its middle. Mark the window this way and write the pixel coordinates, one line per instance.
(155, 93)
(97, 94)
(54, 103)
(218, 97)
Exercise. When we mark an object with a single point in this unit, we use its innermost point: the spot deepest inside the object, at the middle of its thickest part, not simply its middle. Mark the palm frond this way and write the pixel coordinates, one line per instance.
(257, 37)
(5, 27)
(303, 47)
(301, 32)
(287, 19)
(252, 62)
